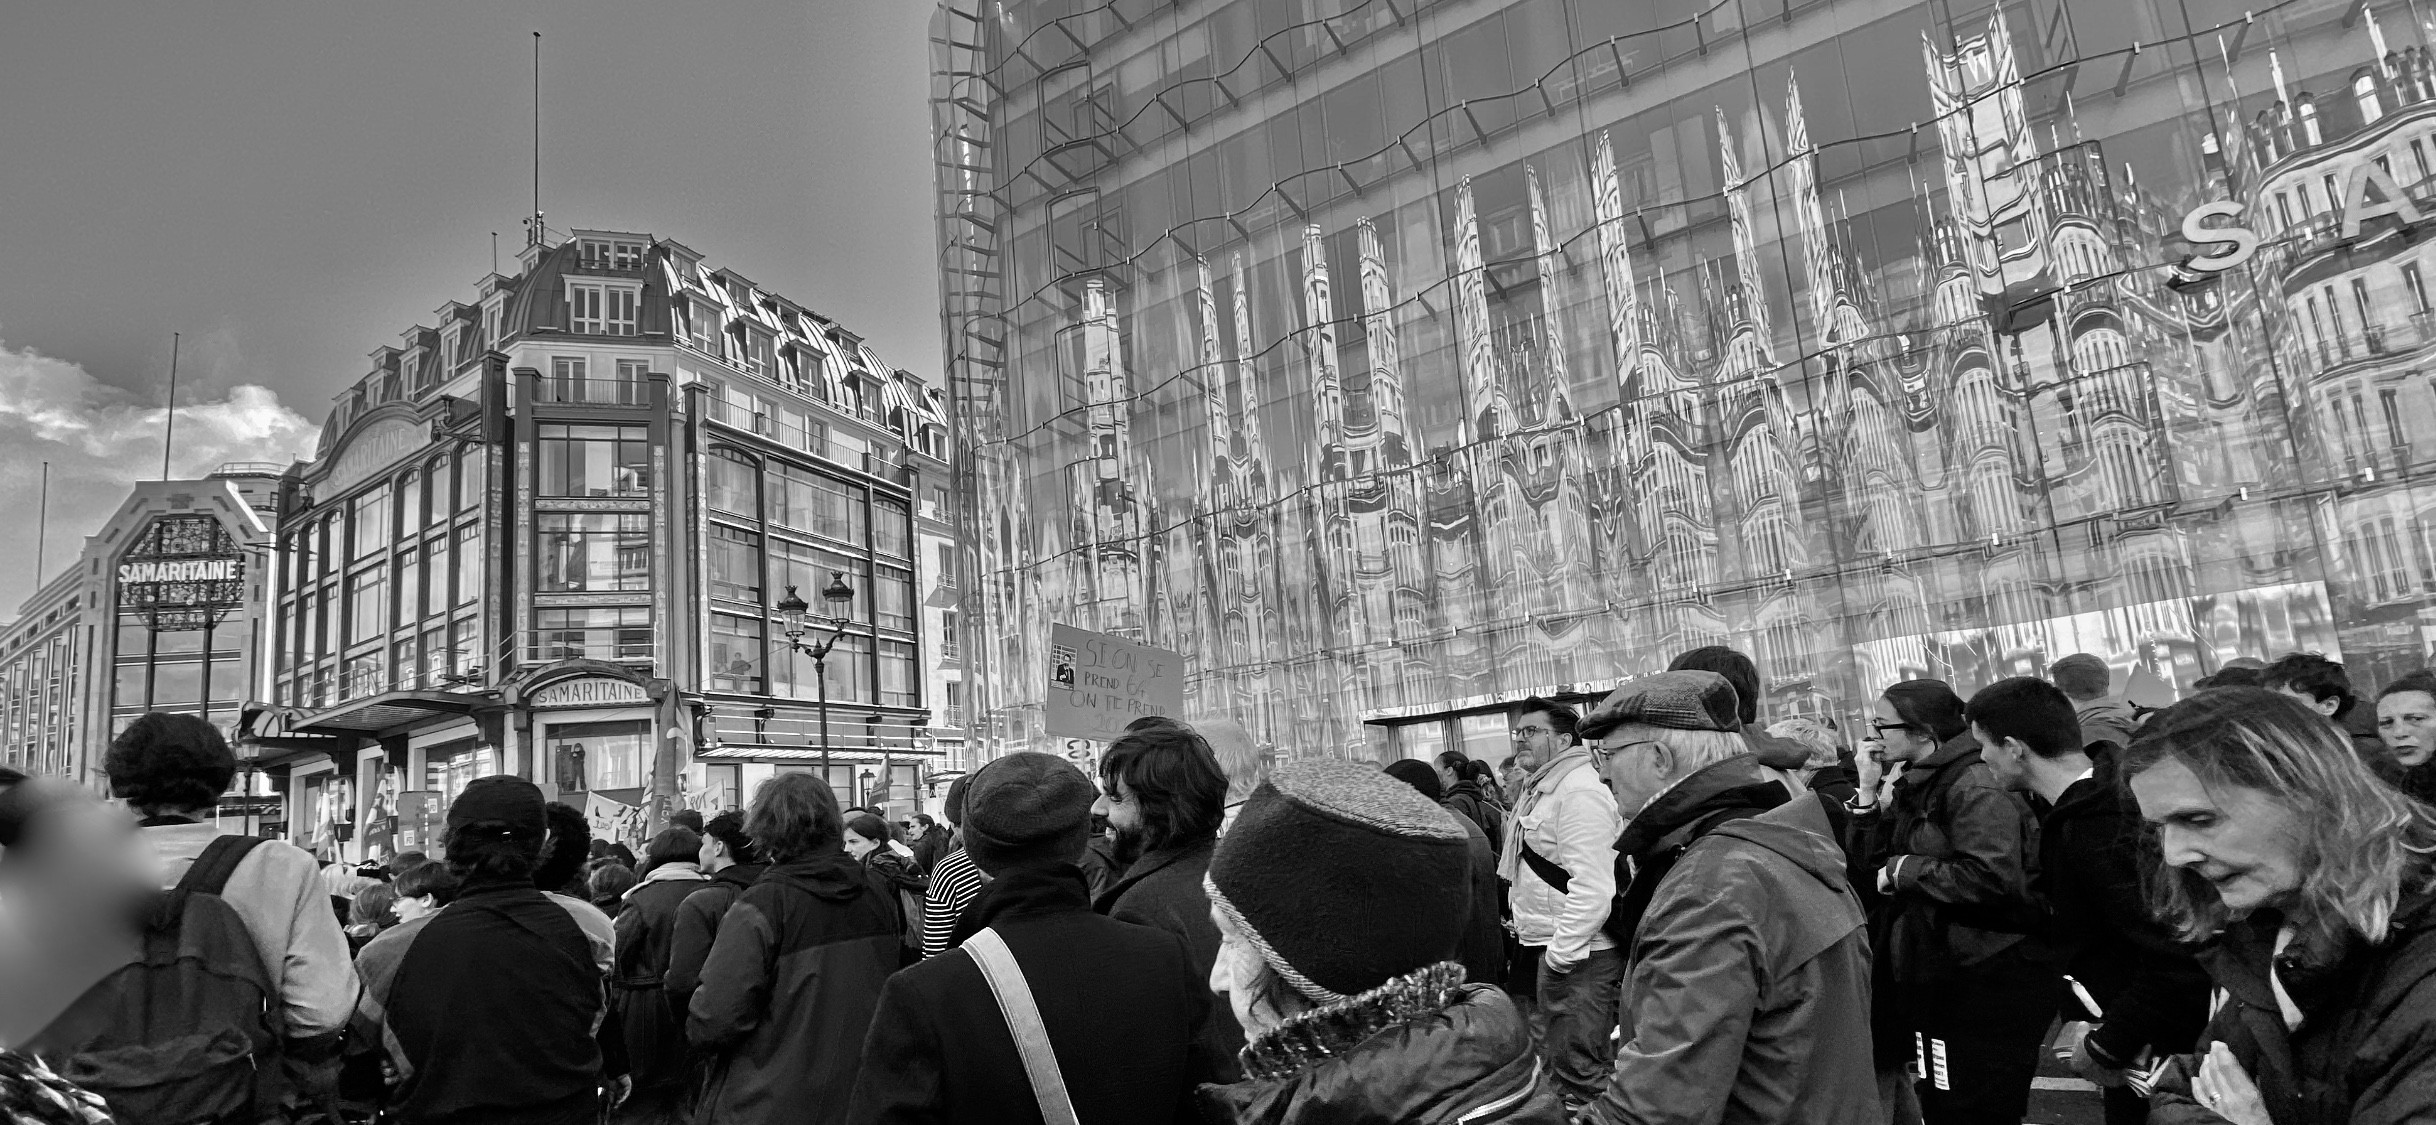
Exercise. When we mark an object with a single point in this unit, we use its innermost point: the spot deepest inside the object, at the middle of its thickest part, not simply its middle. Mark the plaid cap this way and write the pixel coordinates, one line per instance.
(1686, 700)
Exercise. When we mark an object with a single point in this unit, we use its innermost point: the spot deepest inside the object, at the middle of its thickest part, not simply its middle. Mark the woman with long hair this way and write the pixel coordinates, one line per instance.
(2316, 885)
(1961, 987)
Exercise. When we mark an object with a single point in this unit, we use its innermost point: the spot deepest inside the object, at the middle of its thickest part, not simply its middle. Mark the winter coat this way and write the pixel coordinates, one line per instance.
(2107, 720)
(788, 991)
(1567, 815)
(2365, 1052)
(1121, 1004)
(695, 925)
(1422, 1049)
(1468, 798)
(1747, 980)
(488, 1009)
(1163, 890)
(654, 1031)
(1100, 867)
(2152, 990)
(903, 878)
(1482, 952)
(1962, 849)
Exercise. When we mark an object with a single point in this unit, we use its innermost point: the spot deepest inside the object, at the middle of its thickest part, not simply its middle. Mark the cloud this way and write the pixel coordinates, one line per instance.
(100, 439)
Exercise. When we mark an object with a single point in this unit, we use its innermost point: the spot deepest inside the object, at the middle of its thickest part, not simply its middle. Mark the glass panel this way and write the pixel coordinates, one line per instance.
(600, 755)
(593, 460)
(735, 653)
(594, 551)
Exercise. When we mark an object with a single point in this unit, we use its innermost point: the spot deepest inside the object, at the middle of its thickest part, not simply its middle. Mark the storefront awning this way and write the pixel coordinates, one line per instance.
(386, 712)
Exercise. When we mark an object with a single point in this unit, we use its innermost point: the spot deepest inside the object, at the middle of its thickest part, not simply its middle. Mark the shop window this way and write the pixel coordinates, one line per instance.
(588, 756)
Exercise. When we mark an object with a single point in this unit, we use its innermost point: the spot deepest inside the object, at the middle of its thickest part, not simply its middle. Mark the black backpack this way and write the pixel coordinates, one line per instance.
(184, 1033)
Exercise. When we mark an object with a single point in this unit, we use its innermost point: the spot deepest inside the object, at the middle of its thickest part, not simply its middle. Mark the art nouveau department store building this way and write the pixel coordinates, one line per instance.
(547, 533)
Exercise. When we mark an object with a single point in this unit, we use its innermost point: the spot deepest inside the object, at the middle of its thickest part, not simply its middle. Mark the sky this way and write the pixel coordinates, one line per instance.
(290, 184)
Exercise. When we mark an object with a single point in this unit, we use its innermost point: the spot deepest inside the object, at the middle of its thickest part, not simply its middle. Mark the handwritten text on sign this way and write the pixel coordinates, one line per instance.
(1099, 683)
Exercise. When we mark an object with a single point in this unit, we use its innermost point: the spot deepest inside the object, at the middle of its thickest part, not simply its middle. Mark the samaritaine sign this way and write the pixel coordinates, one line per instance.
(183, 573)
(191, 570)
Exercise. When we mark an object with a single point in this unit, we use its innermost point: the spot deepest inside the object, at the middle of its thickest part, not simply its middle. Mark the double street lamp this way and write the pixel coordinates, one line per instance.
(792, 609)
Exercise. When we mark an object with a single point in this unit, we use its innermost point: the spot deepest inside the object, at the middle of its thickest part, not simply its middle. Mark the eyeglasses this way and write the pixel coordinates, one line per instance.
(1882, 728)
(1601, 755)
(1524, 734)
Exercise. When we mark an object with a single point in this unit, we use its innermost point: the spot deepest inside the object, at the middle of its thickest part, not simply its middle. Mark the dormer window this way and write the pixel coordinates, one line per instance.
(601, 253)
(602, 309)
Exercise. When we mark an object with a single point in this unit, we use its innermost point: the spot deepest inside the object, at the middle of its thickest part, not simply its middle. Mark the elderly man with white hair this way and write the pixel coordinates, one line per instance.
(1746, 951)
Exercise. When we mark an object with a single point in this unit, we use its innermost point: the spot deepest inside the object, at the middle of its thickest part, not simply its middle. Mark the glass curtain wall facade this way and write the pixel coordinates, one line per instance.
(1386, 357)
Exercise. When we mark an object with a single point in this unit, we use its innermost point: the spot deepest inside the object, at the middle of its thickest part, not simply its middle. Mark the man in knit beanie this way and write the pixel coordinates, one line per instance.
(1483, 950)
(1341, 896)
(1120, 1002)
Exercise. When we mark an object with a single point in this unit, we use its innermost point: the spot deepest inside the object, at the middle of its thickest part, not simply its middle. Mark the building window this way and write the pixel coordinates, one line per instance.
(2391, 400)
(601, 253)
(566, 379)
(594, 461)
(2309, 121)
(371, 516)
(464, 653)
(469, 564)
(601, 755)
(2416, 285)
(368, 606)
(601, 310)
(735, 653)
(735, 484)
(899, 678)
(2283, 206)
(735, 565)
(892, 599)
(2334, 196)
(815, 504)
(947, 564)
(757, 355)
(410, 589)
(2419, 156)
(891, 529)
(473, 470)
(594, 551)
(596, 632)
(2364, 91)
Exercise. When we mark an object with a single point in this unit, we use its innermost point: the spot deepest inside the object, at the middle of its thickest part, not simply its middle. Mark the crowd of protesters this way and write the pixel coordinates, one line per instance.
(1656, 909)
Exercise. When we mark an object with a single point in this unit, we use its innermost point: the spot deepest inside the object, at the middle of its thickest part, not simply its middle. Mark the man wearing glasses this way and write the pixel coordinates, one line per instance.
(1560, 861)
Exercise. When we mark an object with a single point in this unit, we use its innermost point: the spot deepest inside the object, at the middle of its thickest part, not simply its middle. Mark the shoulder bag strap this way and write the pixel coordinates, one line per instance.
(1023, 1019)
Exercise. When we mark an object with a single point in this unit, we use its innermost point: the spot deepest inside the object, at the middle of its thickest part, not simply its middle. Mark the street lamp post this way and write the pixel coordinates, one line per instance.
(792, 609)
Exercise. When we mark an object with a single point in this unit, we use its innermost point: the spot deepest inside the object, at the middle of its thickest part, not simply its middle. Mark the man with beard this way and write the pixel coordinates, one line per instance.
(1166, 800)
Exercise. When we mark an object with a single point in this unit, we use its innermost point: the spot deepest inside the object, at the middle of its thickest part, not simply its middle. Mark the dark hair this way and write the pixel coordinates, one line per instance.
(164, 761)
(494, 851)
(434, 879)
(927, 822)
(1419, 775)
(571, 844)
(674, 844)
(2313, 675)
(1928, 705)
(1564, 720)
(794, 816)
(2232, 677)
(1477, 770)
(403, 862)
(2038, 713)
(376, 905)
(2422, 680)
(869, 827)
(1174, 775)
(1734, 666)
(953, 807)
(1455, 760)
(610, 880)
(1154, 722)
(687, 818)
(2081, 676)
(728, 829)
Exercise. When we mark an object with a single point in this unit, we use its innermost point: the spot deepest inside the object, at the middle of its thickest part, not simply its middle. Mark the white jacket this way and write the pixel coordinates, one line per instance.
(1567, 815)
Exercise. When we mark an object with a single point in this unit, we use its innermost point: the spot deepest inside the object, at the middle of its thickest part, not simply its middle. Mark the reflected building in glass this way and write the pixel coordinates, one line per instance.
(1394, 360)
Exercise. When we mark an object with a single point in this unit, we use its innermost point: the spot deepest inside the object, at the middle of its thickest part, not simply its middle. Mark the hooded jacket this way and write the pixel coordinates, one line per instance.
(1747, 979)
(1567, 815)
(1422, 1049)
(1121, 1004)
(654, 1031)
(788, 991)
(2365, 1052)
(695, 924)
(1467, 797)
(2152, 989)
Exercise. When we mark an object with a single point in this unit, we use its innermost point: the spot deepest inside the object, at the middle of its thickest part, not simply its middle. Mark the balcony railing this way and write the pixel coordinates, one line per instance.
(596, 392)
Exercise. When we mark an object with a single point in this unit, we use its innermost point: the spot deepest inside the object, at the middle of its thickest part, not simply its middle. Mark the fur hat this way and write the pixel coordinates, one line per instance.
(1343, 878)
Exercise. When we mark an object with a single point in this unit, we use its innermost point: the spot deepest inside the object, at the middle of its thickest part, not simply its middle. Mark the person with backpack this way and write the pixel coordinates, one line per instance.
(900, 876)
(732, 861)
(490, 1009)
(1963, 986)
(1747, 953)
(1462, 794)
(1028, 982)
(1560, 863)
(243, 985)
